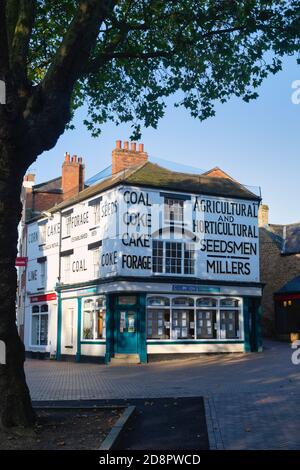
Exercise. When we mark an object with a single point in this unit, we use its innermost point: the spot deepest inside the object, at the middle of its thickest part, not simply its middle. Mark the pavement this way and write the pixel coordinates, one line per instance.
(251, 400)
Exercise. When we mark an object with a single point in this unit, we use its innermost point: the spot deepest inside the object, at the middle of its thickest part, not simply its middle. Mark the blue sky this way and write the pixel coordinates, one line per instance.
(257, 143)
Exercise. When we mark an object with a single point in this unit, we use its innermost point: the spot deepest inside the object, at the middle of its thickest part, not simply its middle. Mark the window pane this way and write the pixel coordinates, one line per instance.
(157, 256)
(206, 302)
(44, 330)
(173, 209)
(184, 301)
(44, 308)
(229, 303)
(158, 301)
(127, 299)
(229, 322)
(189, 258)
(173, 257)
(158, 324)
(35, 330)
(100, 317)
(183, 326)
(206, 324)
(88, 320)
(35, 309)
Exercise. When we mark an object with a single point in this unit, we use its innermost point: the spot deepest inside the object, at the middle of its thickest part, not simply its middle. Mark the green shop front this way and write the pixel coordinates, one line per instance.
(152, 320)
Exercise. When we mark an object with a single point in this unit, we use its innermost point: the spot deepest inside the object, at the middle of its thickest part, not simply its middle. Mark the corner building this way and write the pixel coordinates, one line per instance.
(144, 264)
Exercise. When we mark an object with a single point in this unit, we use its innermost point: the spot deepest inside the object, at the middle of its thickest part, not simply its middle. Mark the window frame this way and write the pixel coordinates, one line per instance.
(217, 308)
(95, 319)
(40, 313)
(164, 259)
(179, 210)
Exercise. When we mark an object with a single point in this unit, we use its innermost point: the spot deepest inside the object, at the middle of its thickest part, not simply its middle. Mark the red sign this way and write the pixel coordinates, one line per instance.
(43, 298)
(21, 261)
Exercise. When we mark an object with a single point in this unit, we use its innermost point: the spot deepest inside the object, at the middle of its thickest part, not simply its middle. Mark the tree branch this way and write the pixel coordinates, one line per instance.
(4, 63)
(75, 49)
(20, 36)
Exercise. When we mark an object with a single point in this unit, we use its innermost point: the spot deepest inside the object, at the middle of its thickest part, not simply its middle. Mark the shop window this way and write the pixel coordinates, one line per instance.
(206, 302)
(158, 323)
(173, 210)
(183, 325)
(183, 301)
(229, 302)
(206, 324)
(39, 325)
(93, 321)
(193, 317)
(158, 301)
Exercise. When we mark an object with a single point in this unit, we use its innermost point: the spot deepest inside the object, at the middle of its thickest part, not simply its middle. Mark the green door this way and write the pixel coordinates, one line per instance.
(127, 342)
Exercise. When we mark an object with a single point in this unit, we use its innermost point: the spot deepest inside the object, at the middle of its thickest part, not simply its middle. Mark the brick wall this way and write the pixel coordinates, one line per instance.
(123, 158)
(275, 270)
(72, 176)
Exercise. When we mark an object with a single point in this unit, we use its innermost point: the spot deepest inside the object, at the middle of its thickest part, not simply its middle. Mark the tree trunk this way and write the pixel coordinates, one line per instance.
(15, 403)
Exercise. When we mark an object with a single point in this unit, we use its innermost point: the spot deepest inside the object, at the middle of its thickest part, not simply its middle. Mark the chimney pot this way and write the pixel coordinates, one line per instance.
(73, 160)
(67, 157)
(126, 145)
(79, 160)
(141, 147)
(133, 146)
(118, 144)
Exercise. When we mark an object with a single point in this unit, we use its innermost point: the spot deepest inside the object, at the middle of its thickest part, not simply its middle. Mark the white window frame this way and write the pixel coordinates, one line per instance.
(42, 234)
(218, 307)
(96, 265)
(66, 225)
(178, 211)
(43, 268)
(96, 212)
(94, 339)
(66, 261)
(39, 314)
(183, 244)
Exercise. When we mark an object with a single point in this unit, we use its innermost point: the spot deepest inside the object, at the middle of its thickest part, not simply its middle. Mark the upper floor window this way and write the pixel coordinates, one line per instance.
(42, 233)
(96, 262)
(43, 273)
(173, 209)
(66, 225)
(173, 257)
(66, 268)
(96, 209)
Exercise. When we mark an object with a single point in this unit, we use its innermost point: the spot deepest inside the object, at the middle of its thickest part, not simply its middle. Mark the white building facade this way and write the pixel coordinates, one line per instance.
(134, 266)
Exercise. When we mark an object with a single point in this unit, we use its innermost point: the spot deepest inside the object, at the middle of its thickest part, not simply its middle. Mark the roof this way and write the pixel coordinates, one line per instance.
(286, 237)
(154, 176)
(290, 287)
(53, 185)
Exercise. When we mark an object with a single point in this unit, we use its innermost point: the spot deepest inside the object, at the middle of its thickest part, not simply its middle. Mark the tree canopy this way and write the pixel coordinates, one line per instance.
(123, 58)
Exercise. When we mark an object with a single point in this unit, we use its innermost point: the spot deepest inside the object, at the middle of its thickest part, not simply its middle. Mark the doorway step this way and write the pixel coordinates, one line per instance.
(124, 359)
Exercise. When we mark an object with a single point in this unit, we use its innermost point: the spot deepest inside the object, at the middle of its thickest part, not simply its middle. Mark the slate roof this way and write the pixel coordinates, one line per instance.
(291, 287)
(53, 185)
(151, 175)
(286, 237)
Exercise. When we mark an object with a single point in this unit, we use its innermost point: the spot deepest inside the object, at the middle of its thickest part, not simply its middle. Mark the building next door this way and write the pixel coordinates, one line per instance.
(126, 325)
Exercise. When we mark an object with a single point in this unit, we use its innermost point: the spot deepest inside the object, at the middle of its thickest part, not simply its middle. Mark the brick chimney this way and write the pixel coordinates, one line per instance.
(72, 176)
(123, 158)
(263, 215)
